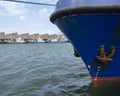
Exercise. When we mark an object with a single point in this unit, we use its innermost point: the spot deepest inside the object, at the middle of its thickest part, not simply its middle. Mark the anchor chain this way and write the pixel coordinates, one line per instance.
(97, 73)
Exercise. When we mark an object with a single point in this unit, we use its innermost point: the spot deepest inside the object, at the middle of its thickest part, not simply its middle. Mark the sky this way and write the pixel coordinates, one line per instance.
(27, 18)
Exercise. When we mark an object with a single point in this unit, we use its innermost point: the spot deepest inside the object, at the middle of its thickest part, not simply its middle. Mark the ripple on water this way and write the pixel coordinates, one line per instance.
(41, 70)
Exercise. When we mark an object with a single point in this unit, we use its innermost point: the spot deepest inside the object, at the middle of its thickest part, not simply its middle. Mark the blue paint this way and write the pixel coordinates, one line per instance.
(87, 33)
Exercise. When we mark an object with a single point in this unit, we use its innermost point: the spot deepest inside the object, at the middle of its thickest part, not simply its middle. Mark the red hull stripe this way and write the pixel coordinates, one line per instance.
(109, 79)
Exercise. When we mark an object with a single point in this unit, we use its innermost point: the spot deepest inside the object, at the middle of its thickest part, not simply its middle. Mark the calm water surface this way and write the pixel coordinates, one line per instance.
(42, 70)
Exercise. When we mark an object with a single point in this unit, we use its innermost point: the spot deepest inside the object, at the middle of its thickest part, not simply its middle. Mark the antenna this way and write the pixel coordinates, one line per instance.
(27, 2)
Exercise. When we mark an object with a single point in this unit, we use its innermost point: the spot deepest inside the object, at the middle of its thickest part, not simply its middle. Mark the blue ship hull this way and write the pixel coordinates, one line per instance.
(87, 31)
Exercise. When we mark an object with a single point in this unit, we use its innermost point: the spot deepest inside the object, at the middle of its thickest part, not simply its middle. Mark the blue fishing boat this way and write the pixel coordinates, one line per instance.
(93, 28)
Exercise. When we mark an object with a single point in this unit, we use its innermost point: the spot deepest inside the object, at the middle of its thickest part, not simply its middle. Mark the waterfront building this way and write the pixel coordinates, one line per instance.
(24, 37)
(2, 37)
(34, 37)
(11, 37)
(45, 37)
(53, 38)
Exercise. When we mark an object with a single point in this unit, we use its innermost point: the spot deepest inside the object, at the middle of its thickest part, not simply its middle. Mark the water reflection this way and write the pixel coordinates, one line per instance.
(106, 89)
(100, 89)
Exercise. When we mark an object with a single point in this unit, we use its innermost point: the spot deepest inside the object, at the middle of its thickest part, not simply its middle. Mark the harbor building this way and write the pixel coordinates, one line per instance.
(11, 37)
(24, 37)
(34, 37)
(28, 38)
(2, 37)
(45, 37)
(53, 38)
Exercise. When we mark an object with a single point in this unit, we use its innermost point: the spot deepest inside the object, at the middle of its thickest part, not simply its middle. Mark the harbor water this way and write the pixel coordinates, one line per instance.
(42, 70)
(47, 70)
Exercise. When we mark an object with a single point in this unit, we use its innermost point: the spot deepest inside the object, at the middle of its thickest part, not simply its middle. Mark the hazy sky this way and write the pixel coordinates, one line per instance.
(23, 18)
